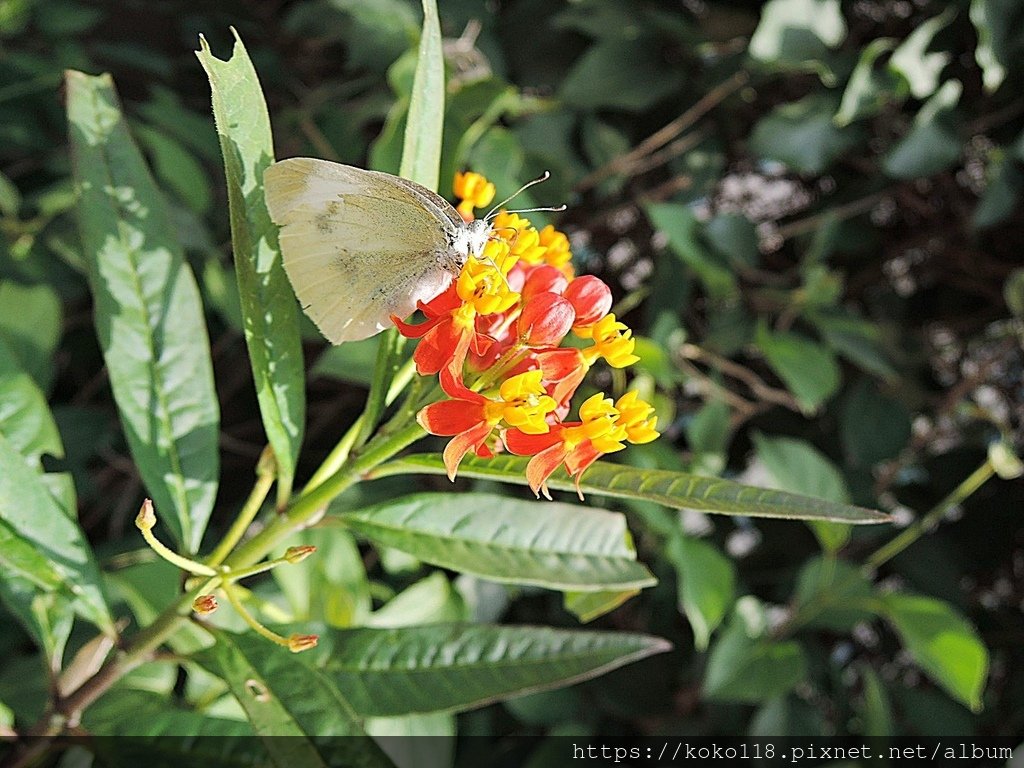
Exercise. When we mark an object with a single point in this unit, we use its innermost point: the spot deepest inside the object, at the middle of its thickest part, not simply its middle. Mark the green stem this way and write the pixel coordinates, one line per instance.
(889, 550)
(232, 594)
(913, 532)
(339, 455)
(245, 517)
(311, 504)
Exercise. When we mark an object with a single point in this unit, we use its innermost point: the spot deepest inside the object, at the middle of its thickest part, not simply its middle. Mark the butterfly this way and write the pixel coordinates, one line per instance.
(360, 246)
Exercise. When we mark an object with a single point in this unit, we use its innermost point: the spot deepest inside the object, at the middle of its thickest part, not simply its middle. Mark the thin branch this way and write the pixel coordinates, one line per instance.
(665, 134)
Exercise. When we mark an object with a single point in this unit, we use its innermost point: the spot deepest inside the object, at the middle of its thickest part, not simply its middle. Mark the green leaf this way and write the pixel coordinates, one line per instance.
(942, 642)
(856, 339)
(352, 362)
(30, 323)
(802, 135)
(808, 368)
(673, 489)
(932, 144)
(176, 167)
(149, 317)
(421, 151)
(735, 237)
(1000, 42)
(708, 435)
(679, 225)
(428, 601)
(30, 517)
(1013, 292)
(620, 74)
(876, 713)
(25, 418)
(873, 426)
(331, 586)
(920, 68)
(833, 594)
(707, 585)
(268, 303)
(798, 34)
(558, 546)
(282, 696)
(154, 724)
(1004, 187)
(799, 467)
(587, 606)
(10, 197)
(744, 666)
(870, 86)
(31, 587)
(453, 667)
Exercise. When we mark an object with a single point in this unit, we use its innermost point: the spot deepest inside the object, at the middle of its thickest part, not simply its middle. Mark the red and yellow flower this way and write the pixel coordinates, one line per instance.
(494, 337)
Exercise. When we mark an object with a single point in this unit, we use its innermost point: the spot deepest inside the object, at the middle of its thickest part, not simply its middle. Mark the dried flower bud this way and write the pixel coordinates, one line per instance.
(298, 554)
(300, 643)
(146, 518)
(204, 604)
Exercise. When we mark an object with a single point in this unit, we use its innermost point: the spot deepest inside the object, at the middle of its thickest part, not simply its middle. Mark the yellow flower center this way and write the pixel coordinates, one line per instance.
(637, 418)
(482, 283)
(523, 404)
(600, 426)
(612, 340)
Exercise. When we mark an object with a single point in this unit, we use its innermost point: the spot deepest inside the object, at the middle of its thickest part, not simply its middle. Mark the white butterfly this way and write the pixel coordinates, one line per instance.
(360, 246)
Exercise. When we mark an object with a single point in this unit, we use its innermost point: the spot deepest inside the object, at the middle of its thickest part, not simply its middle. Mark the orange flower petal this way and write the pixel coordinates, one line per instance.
(449, 417)
(462, 444)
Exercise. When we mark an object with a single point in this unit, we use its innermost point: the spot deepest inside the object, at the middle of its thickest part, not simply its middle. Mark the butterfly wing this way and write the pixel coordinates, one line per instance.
(359, 246)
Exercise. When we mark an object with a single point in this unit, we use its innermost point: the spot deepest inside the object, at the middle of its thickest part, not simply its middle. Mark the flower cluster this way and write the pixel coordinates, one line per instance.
(495, 338)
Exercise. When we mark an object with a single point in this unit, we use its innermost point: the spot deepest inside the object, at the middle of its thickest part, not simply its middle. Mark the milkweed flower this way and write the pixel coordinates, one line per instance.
(495, 338)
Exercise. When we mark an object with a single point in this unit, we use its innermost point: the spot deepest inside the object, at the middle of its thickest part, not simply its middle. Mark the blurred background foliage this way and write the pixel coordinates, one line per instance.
(810, 212)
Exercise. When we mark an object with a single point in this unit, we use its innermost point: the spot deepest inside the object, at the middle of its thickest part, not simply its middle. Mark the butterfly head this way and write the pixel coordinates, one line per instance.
(471, 238)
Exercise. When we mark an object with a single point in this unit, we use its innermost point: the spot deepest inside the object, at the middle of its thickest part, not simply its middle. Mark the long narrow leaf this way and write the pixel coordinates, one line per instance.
(673, 489)
(282, 696)
(453, 667)
(149, 317)
(421, 152)
(31, 519)
(559, 546)
(30, 585)
(268, 305)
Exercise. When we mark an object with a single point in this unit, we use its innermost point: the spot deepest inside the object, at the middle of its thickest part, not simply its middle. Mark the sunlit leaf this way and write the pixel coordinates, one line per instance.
(421, 151)
(268, 303)
(942, 642)
(42, 543)
(149, 318)
(673, 489)
(559, 546)
(453, 667)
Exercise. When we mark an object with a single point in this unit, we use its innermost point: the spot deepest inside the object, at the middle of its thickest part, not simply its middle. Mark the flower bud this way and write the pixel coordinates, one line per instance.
(204, 604)
(590, 297)
(146, 518)
(545, 320)
(543, 279)
(300, 643)
(298, 554)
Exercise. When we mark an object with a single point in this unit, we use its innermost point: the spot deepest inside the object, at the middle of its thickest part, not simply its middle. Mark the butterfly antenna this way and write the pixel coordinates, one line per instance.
(543, 177)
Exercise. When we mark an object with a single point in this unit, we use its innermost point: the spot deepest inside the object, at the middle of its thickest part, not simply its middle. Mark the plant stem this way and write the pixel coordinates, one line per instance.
(339, 455)
(311, 504)
(913, 532)
(243, 521)
(890, 549)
